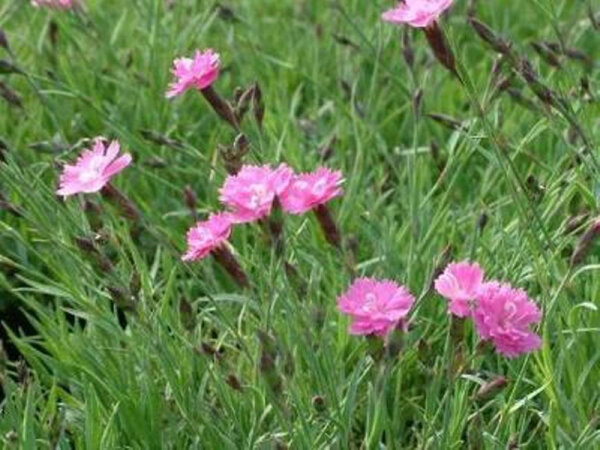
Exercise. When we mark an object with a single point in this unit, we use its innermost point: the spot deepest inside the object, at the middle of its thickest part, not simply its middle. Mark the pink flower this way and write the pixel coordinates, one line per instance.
(61, 4)
(306, 191)
(197, 73)
(250, 193)
(376, 307)
(93, 169)
(417, 13)
(459, 283)
(207, 236)
(503, 314)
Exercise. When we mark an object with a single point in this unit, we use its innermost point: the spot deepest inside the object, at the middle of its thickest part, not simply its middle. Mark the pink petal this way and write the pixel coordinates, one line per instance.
(117, 165)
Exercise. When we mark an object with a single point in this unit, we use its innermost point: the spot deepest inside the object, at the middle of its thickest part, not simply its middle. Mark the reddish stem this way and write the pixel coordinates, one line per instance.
(330, 229)
(441, 49)
(220, 106)
(127, 206)
(226, 259)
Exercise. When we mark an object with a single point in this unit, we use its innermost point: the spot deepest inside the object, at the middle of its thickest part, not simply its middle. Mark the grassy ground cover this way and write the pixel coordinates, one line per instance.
(111, 341)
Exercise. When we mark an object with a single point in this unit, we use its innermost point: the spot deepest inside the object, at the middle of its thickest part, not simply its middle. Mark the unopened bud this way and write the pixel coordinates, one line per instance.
(447, 121)
(482, 221)
(417, 101)
(4, 41)
(11, 436)
(318, 403)
(546, 53)
(10, 96)
(186, 314)
(586, 242)
(122, 298)
(7, 67)
(85, 244)
(576, 221)
(491, 388)
(326, 151)
(160, 139)
(209, 350)
(243, 99)
(488, 35)
(189, 198)
(234, 382)
(258, 105)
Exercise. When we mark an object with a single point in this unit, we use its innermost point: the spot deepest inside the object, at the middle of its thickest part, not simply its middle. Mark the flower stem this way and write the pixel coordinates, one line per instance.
(221, 107)
(441, 49)
(226, 259)
(457, 345)
(127, 206)
(330, 229)
(274, 227)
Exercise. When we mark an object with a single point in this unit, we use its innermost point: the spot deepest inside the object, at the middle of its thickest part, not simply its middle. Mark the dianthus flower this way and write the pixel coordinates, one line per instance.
(197, 73)
(503, 315)
(460, 283)
(424, 14)
(206, 236)
(93, 169)
(251, 192)
(309, 190)
(375, 306)
(417, 13)
(60, 4)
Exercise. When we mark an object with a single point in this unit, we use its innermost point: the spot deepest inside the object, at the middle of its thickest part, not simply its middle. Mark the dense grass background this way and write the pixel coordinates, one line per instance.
(79, 379)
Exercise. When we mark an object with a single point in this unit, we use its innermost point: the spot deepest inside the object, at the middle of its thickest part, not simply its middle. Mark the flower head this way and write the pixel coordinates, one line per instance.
(60, 4)
(93, 169)
(306, 191)
(206, 236)
(375, 306)
(251, 192)
(417, 13)
(503, 314)
(459, 283)
(198, 73)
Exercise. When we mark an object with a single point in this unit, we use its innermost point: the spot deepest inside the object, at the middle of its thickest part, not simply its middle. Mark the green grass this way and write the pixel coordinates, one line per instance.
(86, 382)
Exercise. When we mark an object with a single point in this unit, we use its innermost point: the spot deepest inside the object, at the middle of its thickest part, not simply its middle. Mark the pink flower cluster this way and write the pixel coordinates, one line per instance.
(194, 73)
(93, 169)
(376, 307)
(501, 312)
(60, 4)
(417, 13)
(250, 194)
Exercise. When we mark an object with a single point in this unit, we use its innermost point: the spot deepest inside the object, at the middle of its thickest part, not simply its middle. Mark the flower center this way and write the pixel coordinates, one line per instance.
(203, 236)
(89, 174)
(258, 194)
(319, 187)
(510, 309)
(370, 303)
(302, 185)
